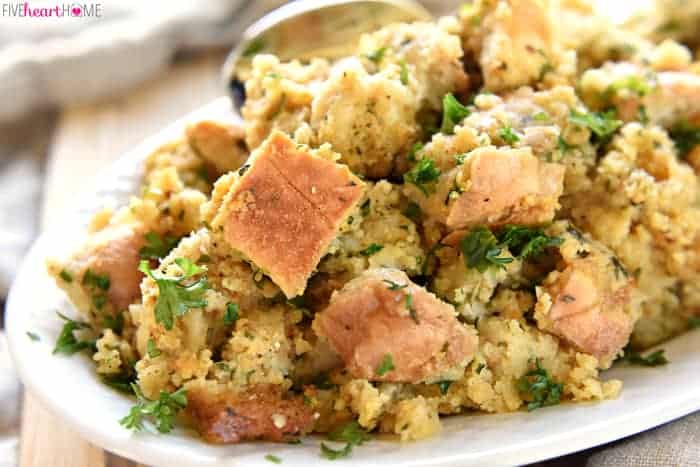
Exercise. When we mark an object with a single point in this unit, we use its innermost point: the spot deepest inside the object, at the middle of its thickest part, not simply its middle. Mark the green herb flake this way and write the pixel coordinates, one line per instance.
(403, 74)
(67, 343)
(694, 322)
(411, 310)
(376, 56)
(423, 174)
(231, 314)
(385, 366)
(152, 350)
(602, 124)
(161, 412)
(413, 212)
(525, 242)
(157, 246)
(481, 250)
(453, 112)
(272, 458)
(538, 388)
(351, 434)
(372, 249)
(541, 116)
(685, 136)
(33, 336)
(634, 84)
(394, 286)
(508, 135)
(66, 276)
(91, 279)
(175, 297)
(653, 359)
(444, 386)
(114, 322)
(411, 156)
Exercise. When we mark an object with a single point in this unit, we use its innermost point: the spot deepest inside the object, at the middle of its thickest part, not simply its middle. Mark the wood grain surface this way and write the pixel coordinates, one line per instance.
(86, 140)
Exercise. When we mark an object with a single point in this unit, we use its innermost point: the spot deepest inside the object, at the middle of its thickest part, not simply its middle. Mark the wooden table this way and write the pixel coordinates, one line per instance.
(87, 139)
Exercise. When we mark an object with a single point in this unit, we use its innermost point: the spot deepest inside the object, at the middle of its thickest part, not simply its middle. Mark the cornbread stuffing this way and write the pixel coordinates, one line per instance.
(481, 214)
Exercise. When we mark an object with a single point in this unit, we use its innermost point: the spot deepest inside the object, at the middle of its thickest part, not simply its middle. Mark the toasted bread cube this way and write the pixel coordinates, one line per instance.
(286, 208)
(506, 186)
(222, 145)
(386, 328)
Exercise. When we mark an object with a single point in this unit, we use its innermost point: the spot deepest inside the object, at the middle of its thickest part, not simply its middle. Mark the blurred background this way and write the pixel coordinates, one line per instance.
(78, 90)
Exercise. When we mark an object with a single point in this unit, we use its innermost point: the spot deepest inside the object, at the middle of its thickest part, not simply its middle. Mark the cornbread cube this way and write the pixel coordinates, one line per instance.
(285, 209)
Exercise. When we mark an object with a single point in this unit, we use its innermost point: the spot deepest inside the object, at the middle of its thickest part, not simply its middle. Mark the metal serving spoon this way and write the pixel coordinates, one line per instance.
(312, 28)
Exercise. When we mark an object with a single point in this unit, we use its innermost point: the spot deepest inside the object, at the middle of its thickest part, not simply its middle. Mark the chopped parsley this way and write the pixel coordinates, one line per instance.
(538, 388)
(460, 158)
(394, 286)
(444, 386)
(563, 146)
(385, 366)
(422, 174)
(351, 434)
(481, 250)
(453, 112)
(364, 208)
(634, 84)
(231, 314)
(157, 247)
(411, 310)
(33, 336)
(413, 211)
(91, 279)
(525, 242)
(152, 350)
(656, 358)
(67, 343)
(403, 74)
(694, 322)
(161, 411)
(376, 56)
(413, 151)
(508, 135)
(121, 381)
(66, 276)
(372, 249)
(602, 124)
(686, 137)
(541, 116)
(175, 297)
(115, 323)
(272, 458)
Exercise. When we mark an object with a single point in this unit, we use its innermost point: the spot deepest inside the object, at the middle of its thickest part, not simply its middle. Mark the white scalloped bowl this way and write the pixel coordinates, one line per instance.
(70, 388)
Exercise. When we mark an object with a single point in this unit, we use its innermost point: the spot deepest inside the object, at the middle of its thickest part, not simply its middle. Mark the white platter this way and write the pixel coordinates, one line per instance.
(70, 388)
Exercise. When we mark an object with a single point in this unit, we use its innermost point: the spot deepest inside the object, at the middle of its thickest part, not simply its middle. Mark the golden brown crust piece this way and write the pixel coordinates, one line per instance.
(285, 210)
(222, 145)
(367, 320)
(507, 186)
(262, 413)
(114, 252)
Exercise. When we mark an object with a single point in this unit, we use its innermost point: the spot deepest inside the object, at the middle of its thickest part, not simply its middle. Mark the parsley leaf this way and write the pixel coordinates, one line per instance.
(394, 286)
(352, 434)
(453, 112)
(174, 297)
(157, 247)
(481, 250)
(95, 280)
(694, 322)
(161, 411)
(508, 135)
(422, 174)
(272, 458)
(372, 249)
(231, 314)
(66, 276)
(444, 386)
(524, 242)
(376, 55)
(33, 336)
(67, 343)
(413, 212)
(385, 366)
(403, 74)
(602, 124)
(411, 156)
(538, 388)
(115, 323)
(686, 137)
(631, 83)
(656, 358)
(152, 350)
(411, 310)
